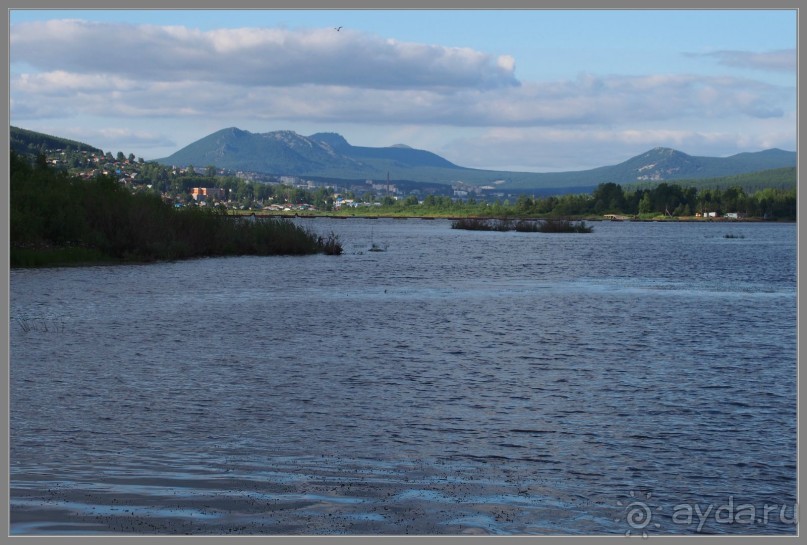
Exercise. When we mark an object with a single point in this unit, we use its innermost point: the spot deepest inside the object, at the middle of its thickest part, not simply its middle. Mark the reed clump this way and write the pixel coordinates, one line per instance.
(472, 224)
(40, 325)
(564, 226)
(525, 226)
(331, 245)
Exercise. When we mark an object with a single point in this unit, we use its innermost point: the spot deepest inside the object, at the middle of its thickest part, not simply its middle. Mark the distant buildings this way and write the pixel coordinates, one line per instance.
(201, 194)
(727, 215)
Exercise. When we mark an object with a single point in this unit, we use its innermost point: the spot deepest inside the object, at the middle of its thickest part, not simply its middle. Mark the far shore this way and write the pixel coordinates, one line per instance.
(371, 215)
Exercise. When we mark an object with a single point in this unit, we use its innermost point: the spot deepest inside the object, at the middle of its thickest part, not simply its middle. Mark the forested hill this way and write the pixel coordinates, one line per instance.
(778, 178)
(27, 142)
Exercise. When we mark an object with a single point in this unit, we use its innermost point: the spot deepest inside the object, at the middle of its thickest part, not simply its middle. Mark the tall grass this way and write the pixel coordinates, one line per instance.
(564, 226)
(527, 226)
(472, 224)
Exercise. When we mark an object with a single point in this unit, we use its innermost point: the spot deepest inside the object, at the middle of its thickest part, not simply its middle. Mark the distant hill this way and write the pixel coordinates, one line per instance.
(668, 165)
(660, 164)
(321, 154)
(27, 142)
(329, 155)
(778, 178)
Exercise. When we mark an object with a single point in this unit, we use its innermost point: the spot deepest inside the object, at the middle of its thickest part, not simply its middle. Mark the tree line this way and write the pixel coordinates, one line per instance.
(610, 198)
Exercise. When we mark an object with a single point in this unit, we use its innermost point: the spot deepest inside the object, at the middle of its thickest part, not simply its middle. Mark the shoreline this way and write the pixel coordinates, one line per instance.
(329, 215)
(36, 257)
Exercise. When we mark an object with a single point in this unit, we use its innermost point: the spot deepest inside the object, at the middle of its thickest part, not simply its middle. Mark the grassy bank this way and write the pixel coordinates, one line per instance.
(57, 219)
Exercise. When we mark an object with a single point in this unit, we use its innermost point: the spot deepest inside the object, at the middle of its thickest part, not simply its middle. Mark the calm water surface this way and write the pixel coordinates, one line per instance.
(458, 382)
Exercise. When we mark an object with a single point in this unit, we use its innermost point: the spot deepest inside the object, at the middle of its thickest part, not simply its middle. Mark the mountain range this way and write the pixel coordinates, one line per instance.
(329, 155)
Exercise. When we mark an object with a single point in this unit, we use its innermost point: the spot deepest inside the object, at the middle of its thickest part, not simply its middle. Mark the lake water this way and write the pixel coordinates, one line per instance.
(458, 382)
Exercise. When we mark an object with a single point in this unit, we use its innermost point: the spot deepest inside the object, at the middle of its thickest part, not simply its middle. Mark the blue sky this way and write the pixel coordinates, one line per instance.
(538, 90)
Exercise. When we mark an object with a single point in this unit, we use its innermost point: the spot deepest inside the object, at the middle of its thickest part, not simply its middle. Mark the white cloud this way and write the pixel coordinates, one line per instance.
(122, 137)
(253, 57)
(782, 60)
(268, 79)
(586, 100)
(506, 62)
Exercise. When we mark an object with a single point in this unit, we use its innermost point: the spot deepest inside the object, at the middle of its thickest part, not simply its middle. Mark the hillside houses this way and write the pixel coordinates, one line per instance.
(200, 194)
(204, 186)
(90, 164)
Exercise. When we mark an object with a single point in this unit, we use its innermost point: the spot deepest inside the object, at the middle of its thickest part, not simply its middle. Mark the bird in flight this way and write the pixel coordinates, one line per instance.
(337, 29)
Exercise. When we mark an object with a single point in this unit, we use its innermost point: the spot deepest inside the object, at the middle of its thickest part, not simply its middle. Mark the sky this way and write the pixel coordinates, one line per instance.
(524, 90)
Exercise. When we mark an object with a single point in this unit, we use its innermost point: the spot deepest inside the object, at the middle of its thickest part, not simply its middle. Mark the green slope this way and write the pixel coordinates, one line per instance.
(25, 142)
(778, 178)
